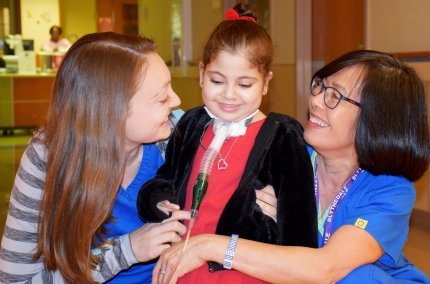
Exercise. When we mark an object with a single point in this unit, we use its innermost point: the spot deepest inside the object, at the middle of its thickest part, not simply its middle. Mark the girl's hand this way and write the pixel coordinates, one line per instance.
(167, 207)
(267, 201)
(151, 239)
(174, 262)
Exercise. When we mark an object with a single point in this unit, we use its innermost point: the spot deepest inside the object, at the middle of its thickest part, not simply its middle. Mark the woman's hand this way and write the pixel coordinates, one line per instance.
(167, 207)
(267, 201)
(151, 239)
(174, 262)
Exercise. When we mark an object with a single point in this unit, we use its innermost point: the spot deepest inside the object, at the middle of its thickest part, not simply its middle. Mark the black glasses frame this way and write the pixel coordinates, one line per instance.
(318, 83)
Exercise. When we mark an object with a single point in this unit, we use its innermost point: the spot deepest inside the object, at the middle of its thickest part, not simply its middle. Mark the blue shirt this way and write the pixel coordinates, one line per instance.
(382, 206)
(126, 217)
(125, 210)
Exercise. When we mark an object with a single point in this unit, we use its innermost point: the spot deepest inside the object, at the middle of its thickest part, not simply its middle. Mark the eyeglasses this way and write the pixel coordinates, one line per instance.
(332, 97)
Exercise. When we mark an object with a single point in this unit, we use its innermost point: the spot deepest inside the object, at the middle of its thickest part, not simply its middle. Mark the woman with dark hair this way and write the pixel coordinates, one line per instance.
(72, 215)
(369, 140)
(56, 42)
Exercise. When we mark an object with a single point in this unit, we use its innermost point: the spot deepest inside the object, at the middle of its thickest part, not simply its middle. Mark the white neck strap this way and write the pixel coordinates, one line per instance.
(225, 129)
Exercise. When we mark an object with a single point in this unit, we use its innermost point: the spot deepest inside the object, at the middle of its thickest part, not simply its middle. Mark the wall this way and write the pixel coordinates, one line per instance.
(402, 26)
(206, 15)
(38, 16)
(336, 31)
(398, 25)
(283, 30)
(423, 184)
(154, 22)
(78, 17)
(282, 93)
(36, 19)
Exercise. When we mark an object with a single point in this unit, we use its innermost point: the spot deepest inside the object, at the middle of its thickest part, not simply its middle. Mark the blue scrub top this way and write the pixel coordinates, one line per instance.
(126, 217)
(382, 206)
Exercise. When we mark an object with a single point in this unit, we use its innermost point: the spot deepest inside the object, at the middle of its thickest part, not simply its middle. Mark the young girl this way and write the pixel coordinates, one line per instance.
(260, 150)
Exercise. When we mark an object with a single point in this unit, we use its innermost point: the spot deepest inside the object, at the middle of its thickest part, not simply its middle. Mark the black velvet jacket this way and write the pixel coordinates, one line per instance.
(279, 157)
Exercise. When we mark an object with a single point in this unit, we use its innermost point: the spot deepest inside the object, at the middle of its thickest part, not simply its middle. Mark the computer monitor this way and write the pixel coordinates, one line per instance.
(27, 44)
(6, 48)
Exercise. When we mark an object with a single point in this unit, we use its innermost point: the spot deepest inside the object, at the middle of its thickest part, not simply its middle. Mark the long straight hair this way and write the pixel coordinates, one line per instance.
(84, 136)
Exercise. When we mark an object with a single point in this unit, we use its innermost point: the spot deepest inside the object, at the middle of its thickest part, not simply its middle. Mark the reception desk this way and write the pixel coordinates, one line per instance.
(24, 99)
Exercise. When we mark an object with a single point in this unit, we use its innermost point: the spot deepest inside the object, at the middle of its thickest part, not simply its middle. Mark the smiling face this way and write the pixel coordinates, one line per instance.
(333, 130)
(149, 109)
(232, 88)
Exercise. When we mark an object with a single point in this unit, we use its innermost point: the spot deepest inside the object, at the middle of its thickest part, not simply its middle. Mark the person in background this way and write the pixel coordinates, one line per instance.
(56, 42)
(260, 150)
(369, 140)
(72, 215)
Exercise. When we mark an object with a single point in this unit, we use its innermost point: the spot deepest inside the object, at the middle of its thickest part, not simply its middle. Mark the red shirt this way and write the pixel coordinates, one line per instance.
(221, 185)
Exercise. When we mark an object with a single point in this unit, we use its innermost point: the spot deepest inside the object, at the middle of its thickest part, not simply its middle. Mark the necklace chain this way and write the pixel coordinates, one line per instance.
(222, 162)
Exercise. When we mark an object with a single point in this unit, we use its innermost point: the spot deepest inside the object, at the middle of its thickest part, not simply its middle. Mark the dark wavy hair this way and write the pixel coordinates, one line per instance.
(392, 135)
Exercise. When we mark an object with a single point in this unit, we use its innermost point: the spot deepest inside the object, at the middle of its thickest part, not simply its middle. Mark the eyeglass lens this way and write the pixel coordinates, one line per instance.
(331, 95)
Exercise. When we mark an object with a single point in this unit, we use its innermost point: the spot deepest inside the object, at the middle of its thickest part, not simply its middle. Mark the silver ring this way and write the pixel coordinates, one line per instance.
(162, 271)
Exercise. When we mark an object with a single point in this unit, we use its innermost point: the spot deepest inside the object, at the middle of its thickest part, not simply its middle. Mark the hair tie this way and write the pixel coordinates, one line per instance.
(232, 14)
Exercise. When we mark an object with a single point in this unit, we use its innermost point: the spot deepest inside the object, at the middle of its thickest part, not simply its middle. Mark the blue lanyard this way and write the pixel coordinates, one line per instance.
(328, 225)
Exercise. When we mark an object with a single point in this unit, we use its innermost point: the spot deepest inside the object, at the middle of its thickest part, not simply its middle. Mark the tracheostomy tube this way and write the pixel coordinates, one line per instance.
(223, 130)
(201, 183)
